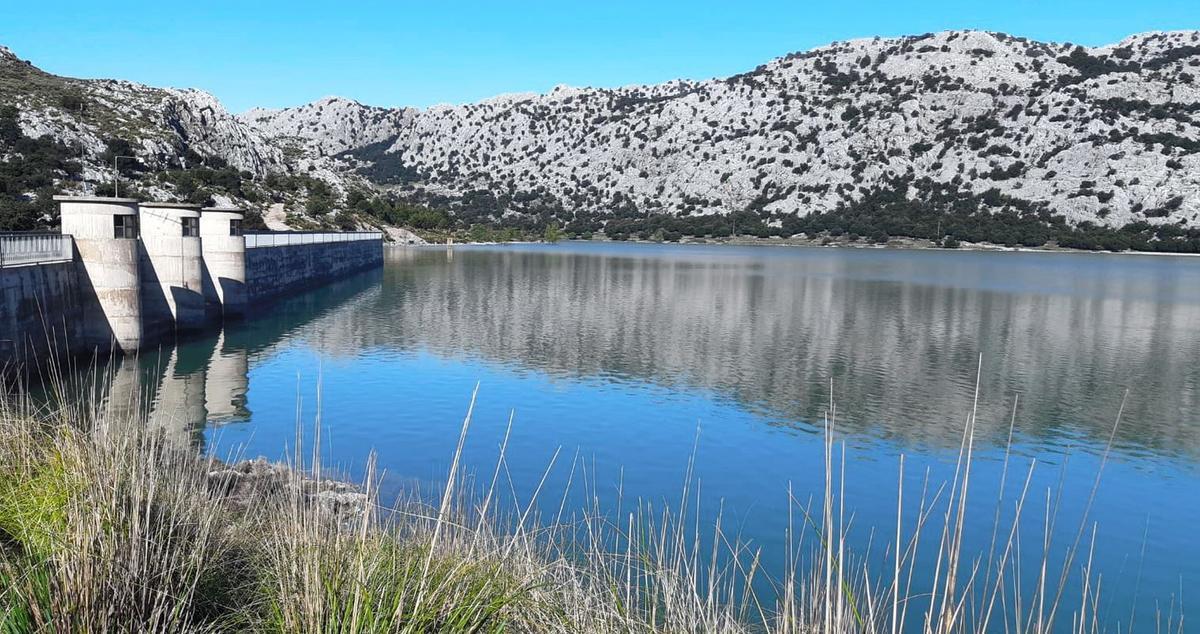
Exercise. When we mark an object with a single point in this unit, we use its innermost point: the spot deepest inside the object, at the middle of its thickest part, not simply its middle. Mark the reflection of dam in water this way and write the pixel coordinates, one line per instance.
(225, 385)
(178, 405)
(181, 389)
(201, 382)
(899, 333)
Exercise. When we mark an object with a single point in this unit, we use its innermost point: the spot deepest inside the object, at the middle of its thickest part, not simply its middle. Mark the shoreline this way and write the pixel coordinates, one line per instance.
(896, 244)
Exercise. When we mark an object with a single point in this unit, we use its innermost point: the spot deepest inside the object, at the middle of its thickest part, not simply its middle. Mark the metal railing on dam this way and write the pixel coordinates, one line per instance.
(288, 238)
(22, 248)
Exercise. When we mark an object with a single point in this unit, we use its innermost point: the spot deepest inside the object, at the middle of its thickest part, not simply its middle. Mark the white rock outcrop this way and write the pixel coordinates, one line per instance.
(1109, 135)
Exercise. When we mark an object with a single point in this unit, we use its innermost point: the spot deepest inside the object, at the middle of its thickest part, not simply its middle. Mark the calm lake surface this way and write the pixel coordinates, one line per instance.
(630, 358)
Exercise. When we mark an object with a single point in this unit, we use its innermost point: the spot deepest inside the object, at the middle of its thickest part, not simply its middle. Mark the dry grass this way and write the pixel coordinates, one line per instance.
(106, 528)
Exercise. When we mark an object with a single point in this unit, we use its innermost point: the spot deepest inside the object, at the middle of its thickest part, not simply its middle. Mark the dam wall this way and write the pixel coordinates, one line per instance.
(41, 312)
(123, 275)
(223, 247)
(285, 263)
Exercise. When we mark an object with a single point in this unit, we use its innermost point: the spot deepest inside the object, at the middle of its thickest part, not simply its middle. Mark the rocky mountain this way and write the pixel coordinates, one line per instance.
(165, 126)
(981, 129)
(167, 143)
(330, 126)
(1109, 135)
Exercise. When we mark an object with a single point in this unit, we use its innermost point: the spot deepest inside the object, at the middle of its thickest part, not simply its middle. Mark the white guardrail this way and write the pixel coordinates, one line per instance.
(18, 249)
(287, 238)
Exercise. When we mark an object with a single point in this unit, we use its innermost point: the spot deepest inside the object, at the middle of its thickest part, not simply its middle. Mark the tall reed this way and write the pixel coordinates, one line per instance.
(105, 526)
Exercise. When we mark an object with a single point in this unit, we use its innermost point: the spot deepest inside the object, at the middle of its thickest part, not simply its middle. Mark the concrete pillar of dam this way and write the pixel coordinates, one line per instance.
(172, 267)
(105, 231)
(224, 250)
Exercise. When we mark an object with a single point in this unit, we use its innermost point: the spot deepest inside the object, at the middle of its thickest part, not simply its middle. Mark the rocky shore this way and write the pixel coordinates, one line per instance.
(246, 482)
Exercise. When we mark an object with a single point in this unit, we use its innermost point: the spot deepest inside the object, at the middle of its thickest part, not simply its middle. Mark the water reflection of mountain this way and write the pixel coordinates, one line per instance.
(769, 330)
(900, 333)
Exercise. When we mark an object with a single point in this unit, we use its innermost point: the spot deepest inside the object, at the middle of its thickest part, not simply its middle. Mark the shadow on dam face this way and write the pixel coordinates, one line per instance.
(224, 297)
(170, 257)
(169, 306)
(43, 316)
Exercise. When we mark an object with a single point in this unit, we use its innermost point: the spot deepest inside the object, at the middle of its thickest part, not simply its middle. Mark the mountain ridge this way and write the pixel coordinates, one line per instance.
(1008, 67)
(959, 124)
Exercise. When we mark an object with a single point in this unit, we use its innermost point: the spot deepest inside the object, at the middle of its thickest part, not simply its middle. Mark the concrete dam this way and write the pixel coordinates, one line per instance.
(125, 274)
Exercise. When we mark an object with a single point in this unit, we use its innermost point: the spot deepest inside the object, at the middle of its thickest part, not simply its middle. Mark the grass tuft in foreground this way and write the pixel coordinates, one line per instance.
(107, 527)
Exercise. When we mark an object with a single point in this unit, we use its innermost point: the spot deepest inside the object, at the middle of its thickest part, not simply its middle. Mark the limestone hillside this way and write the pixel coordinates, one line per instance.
(1109, 134)
(171, 134)
(967, 120)
(164, 125)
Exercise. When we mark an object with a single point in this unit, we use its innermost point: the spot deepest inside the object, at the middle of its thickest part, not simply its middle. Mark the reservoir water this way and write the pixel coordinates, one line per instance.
(629, 360)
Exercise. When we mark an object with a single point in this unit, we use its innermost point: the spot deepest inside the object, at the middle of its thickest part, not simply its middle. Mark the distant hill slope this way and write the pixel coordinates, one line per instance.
(167, 143)
(164, 125)
(981, 134)
(1109, 135)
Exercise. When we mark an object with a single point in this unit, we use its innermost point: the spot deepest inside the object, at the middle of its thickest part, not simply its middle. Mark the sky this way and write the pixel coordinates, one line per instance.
(274, 54)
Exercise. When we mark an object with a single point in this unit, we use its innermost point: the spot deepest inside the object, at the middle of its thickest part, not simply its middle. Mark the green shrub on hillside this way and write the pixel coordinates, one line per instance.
(29, 171)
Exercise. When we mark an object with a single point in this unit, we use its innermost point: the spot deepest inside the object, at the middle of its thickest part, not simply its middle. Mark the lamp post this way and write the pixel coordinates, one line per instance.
(117, 175)
(82, 145)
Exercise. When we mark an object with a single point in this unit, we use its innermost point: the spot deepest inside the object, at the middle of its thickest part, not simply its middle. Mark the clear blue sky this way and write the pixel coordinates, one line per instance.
(271, 53)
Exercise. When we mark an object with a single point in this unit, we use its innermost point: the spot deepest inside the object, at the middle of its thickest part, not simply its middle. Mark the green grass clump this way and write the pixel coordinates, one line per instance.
(33, 503)
(378, 585)
(106, 527)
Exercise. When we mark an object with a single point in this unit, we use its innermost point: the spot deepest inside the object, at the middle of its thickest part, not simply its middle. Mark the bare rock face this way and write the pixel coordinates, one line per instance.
(276, 218)
(329, 126)
(400, 235)
(1109, 135)
(165, 127)
(207, 128)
